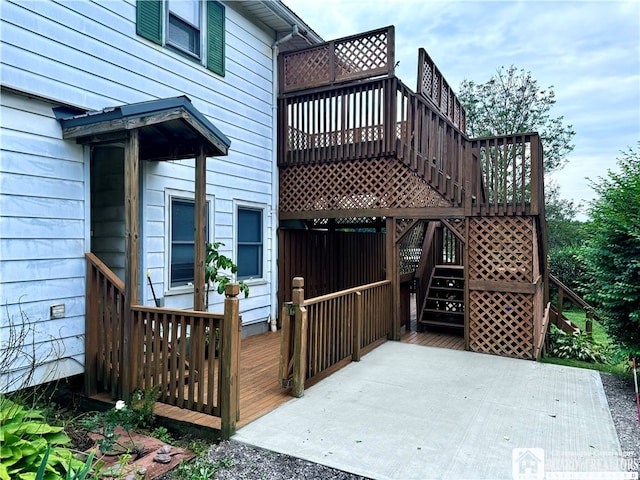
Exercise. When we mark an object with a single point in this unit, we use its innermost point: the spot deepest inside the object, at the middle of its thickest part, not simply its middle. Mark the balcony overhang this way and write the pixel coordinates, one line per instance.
(168, 129)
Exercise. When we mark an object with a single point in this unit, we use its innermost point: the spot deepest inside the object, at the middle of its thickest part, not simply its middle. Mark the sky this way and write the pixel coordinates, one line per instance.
(588, 51)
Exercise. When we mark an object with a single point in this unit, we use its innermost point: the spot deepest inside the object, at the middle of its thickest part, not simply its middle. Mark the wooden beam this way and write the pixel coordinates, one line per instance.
(453, 230)
(131, 260)
(504, 287)
(200, 221)
(393, 274)
(425, 213)
(230, 362)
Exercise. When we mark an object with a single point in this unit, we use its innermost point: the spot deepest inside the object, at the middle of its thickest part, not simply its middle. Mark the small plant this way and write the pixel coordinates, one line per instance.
(162, 434)
(201, 469)
(216, 265)
(578, 346)
(30, 445)
(138, 415)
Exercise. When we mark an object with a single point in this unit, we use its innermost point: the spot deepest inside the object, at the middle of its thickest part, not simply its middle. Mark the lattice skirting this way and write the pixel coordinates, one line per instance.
(379, 183)
(501, 323)
(501, 249)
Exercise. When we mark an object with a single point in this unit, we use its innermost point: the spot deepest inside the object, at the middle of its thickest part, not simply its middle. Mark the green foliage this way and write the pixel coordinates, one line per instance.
(216, 266)
(564, 230)
(568, 266)
(138, 415)
(162, 434)
(29, 442)
(511, 102)
(612, 254)
(578, 346)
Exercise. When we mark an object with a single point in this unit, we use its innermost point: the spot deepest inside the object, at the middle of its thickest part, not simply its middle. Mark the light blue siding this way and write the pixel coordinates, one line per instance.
(86, 54)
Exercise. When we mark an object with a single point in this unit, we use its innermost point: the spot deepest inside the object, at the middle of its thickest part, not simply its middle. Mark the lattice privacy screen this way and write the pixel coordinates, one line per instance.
(501, 250)
(355, 184)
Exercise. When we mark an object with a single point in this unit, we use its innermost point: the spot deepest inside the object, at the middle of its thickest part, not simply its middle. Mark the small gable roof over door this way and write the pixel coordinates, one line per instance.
(169, 129)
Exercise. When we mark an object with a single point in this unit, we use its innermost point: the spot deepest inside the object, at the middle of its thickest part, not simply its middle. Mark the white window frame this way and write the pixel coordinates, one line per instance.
(169, 195)
(202, 44)
(263, 207)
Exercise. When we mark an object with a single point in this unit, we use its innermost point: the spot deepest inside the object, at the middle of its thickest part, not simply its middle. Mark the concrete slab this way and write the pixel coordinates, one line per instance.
(408, 411)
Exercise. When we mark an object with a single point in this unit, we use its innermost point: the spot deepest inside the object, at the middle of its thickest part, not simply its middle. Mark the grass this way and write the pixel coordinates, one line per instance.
(617, 366)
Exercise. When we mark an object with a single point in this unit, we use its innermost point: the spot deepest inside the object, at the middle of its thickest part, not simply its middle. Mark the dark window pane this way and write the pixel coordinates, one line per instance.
(249, 243)
(183, 35)
(182, 244)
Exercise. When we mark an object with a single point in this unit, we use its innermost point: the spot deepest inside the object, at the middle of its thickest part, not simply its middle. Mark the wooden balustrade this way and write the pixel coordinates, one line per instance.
(322, 334)
(512, 175)
(564, 293)
(191, 357)
(433, 86)
(363, 55)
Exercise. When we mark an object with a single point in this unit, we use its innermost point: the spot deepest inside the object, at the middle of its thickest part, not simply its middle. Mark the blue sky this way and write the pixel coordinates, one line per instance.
(589, 51)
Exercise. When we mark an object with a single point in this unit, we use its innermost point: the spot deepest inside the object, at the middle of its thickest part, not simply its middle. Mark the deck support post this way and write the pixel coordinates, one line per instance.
(357, 328)
(200, 220)
(230, 362)
(393, 274)
(300, 338)
(131, 267)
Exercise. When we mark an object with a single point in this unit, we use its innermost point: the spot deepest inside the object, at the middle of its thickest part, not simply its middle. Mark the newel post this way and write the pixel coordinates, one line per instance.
(357, 328)
(230, 362)
(300, 338)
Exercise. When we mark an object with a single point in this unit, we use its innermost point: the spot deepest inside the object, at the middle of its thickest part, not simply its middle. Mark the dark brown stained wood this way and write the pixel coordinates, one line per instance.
(497, 286)
(423, 213)
(434, 339)
(131, 265)
(200, 220)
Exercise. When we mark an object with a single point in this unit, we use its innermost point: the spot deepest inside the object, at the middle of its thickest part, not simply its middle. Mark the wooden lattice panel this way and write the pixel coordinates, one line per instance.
(361, 54)
(501, 249)
(307, 67)
(354, 184)
(501, 323)
(411, 248)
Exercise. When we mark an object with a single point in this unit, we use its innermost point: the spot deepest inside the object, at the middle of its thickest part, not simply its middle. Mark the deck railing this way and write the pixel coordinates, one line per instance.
(191, 357)
(433, 86)
(512, 175)
(322, 334)
(562, 294)
(363, 55)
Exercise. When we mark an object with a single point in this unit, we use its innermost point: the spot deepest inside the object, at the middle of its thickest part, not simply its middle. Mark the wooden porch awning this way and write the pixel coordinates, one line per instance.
(169, 129)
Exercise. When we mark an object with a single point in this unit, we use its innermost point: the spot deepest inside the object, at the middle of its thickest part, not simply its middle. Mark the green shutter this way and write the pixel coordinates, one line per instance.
(215, 37)
(149, 20)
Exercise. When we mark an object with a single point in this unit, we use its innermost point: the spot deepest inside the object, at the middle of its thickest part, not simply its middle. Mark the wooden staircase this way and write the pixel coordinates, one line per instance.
(443, 306)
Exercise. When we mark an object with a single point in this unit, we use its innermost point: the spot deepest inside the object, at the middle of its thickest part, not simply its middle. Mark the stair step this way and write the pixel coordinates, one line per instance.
(446, 300)
(434, 323)
(447, 289)
(444, 312)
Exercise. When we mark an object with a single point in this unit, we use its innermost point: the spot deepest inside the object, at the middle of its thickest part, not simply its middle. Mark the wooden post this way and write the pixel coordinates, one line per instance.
(200, 221)
(300, 338)
(588, 326)
(536, 169)
(131, 268)
(230, 362)
(357, 328)
(467, 291)
(560, 301)
(285, 345)
(393, 275)
(91, 331)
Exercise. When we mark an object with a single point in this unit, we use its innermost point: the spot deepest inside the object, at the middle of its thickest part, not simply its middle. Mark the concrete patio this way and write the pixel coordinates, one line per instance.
(409, 411)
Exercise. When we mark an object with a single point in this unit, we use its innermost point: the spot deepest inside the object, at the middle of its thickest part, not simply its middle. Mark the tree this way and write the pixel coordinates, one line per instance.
(511, 102)
(612, 254)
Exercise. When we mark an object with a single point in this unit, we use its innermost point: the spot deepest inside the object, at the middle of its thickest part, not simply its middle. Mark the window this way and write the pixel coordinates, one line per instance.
(191, 29)
(249, 243)
(181, 241)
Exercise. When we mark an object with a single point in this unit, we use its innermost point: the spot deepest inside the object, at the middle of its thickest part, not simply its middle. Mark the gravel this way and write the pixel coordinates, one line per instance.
(247, 462)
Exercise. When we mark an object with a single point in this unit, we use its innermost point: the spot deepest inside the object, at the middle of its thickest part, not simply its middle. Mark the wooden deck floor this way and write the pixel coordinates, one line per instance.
(260, 391)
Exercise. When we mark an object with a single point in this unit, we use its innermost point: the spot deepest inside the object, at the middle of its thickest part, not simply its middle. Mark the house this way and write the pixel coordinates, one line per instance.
(191, 73)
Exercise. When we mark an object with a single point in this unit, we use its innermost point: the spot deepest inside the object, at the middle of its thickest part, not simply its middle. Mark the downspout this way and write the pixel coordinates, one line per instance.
(274, 175)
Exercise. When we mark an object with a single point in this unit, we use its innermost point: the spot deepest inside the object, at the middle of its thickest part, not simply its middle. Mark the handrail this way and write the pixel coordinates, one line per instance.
(573, 296)
(169, 311)
(106, 271)
(342, 293)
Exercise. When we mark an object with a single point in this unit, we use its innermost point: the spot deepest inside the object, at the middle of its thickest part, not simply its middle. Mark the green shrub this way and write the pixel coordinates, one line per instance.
(29, 442)
(578, 346)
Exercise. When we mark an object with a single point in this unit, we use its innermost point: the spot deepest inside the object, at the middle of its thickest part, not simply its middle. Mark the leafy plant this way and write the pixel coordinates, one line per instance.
(578, 346)
(200, 469)
(138, 415)
(216, 266)
(29, 442)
